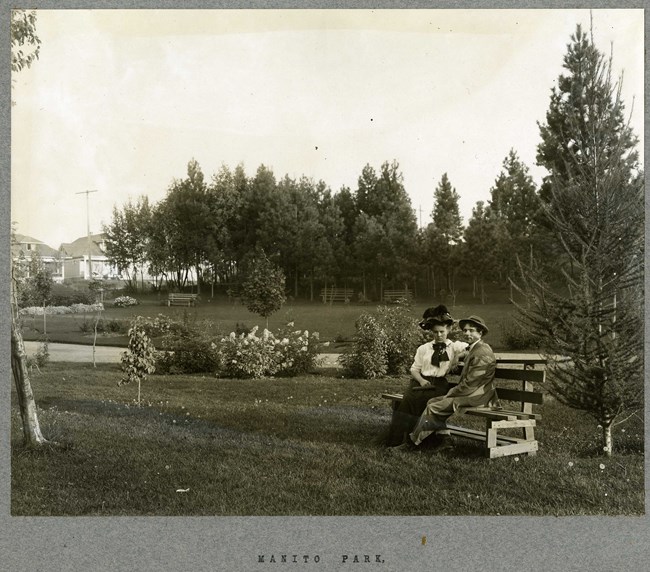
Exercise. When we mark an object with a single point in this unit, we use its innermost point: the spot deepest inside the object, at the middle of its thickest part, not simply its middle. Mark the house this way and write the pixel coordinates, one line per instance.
(23, 247)
(75, 259)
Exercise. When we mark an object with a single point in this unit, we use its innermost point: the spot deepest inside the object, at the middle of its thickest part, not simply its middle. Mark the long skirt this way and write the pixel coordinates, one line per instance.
(406, 414)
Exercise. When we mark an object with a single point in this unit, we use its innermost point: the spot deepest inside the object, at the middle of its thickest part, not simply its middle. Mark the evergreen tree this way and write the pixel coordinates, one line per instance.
(514, 201)
(485, 241)
(444, 233)
(593, 203)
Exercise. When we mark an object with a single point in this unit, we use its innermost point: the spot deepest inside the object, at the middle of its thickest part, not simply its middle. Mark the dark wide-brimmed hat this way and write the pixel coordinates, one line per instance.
(438, 316)
(475, 321)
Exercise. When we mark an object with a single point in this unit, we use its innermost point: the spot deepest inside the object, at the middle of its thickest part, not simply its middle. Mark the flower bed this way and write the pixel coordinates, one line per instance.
(58, 310)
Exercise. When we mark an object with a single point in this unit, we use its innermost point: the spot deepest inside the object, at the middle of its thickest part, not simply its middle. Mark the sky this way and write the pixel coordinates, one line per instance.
(120, 101)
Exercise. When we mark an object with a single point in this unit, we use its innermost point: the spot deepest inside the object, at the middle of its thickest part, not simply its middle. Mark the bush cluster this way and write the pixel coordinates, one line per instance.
(70, 297)
(125, 301)
(57, 310)
(384, 343)
(290, 353)
(104, 326)
(187, 352)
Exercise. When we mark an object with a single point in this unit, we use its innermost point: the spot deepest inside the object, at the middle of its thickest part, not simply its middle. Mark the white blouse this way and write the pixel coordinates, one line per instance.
(422, 361)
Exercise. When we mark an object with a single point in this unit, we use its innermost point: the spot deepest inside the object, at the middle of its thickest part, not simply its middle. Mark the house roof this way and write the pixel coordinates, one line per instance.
(79, 247)
(25, 245)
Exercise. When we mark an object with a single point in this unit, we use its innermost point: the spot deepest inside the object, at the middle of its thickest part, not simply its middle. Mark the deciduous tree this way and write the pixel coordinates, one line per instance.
(23, 36)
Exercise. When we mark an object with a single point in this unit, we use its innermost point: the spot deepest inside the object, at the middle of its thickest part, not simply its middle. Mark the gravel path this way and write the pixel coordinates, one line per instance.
(106, 354)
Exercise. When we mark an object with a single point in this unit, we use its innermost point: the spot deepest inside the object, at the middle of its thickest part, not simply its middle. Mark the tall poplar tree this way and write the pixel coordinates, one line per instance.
(593, 204)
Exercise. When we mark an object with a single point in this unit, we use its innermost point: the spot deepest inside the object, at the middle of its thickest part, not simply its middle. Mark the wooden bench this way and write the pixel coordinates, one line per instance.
(179, 299)
(336, 294)
(516, 414)
(394, 296)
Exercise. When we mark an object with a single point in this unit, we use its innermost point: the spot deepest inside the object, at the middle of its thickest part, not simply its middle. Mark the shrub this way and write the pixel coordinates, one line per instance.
(57, 310)
(104, 326)
(41, 357)
(163, 325)
(246, 355)
(384, 343)
(125, 301)
(189, 352)
(368, 357)
(516, 337)
(291, 352)
(70, 297)
(296, 352)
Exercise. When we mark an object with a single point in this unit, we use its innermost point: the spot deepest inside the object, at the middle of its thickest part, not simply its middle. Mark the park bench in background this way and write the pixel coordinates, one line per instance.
(336, 294)
(513, 411)
(178, 299)
(393, 296)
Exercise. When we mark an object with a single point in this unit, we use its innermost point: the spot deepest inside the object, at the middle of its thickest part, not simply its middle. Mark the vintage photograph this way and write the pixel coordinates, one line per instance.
(327, 263)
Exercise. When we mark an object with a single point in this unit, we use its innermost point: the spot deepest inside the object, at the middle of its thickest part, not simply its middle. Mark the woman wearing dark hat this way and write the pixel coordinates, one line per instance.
(475, 387)
(432, 362)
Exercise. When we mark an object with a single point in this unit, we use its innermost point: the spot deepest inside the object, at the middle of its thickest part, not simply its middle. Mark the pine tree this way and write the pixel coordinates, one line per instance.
(443, 235)
(593, 204)
(514, 201)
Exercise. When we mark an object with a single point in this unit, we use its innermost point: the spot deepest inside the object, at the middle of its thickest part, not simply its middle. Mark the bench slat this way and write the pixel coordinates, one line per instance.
(534, 375)
(478, 435)
(514, 424)
(517, 395)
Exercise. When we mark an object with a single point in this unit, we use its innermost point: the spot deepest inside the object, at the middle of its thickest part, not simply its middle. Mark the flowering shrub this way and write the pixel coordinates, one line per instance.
(58, 310)
(163, 325)
(291, 352)
(246, 355)
(296, 352)
(125, 301)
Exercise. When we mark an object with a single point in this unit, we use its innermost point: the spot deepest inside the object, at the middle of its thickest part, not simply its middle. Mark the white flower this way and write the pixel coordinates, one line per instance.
(601, 466)
(570, 463)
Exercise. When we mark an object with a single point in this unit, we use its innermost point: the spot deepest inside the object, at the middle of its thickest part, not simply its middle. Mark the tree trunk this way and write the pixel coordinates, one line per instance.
(31, 428)
(608, 441)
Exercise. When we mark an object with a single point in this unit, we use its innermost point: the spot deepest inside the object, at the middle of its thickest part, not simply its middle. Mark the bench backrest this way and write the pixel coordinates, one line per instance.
(526, 376)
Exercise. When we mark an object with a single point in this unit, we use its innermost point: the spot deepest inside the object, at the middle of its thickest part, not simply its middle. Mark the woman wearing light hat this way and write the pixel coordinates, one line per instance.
(432, 362)
(475, 388)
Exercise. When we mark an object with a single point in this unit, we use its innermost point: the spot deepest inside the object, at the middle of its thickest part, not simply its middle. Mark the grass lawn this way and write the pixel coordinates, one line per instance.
(299, 446)
(335, 322)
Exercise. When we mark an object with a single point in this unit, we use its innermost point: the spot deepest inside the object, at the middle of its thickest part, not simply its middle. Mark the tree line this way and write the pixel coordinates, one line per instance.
(366, 237)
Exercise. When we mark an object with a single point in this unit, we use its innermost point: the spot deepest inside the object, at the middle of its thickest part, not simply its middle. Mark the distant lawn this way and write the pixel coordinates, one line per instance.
(334, 323)
(302, 446)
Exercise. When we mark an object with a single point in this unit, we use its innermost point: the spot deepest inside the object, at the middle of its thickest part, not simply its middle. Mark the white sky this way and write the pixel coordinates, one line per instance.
(120, 101)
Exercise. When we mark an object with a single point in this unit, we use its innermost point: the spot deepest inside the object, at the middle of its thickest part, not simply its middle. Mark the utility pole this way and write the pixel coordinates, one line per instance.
(89, 276)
